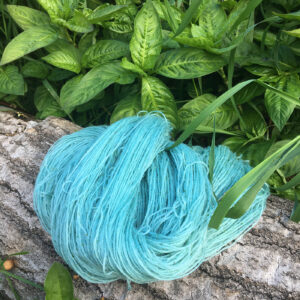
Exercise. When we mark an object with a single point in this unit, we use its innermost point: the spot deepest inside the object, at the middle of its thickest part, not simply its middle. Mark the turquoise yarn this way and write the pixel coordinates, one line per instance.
(118, 205)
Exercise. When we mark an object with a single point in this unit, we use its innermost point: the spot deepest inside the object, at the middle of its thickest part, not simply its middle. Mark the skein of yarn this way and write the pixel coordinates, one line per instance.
(118, 205)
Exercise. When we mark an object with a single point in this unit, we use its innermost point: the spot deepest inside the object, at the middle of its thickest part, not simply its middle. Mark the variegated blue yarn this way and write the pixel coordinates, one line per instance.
(118, 205)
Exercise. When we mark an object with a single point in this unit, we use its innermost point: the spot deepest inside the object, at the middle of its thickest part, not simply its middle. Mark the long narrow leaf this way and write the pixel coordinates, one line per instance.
(255, 178)
(22, 279)
(188, 16)
(293, 182)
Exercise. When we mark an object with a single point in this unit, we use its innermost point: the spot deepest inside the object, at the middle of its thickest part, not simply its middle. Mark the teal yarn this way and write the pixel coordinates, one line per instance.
(118, 205)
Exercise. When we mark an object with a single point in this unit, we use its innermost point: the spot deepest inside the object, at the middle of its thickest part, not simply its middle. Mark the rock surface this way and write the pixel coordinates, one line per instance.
(264, 264)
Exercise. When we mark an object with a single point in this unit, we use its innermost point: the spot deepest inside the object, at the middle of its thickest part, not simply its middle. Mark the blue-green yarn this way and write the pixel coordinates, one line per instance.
(118, 205)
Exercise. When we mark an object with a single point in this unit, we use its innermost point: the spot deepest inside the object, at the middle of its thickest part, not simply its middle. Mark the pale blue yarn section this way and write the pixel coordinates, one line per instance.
(120, 206)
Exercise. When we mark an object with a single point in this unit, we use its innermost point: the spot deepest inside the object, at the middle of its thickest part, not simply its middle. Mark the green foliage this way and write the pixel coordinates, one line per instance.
(225, 67)
(58, 284)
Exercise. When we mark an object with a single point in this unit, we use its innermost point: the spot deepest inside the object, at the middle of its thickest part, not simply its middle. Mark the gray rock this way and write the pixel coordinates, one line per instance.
(264, 264)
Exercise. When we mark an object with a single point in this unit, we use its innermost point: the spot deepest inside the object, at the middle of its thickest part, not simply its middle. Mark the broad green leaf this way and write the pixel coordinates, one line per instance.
(211, 19)
(35, 69)
(11, 81)
(241, 11)
(127, 107)
(295, 32)
(46, 104)
(187, 63)
(63, 55)
(167, 42)
(105, 12)
(83, 88)
(146, 42)
(59, 75)
(126, 64)
(254, 124)
(104, 51)
(58, 8)
(171, 16)
(235, 143)
(278, 109)
(248, 93)
(58, 283)
(157, 97)
(261, 70)
(255, 152)
(78, 23)
(224, 115)
(86, 41)
(121, 25)
(28, 41)
(27, 17)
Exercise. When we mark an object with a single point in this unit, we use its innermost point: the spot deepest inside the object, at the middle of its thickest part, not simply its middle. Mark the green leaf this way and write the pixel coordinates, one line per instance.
(290, 16)
(296, 212)
(248, 93)
(28, 41)
(187, 63)
(146, 42)
(35, 69)
(59, 9)
(58, 283)
(127, 107)
(63, 55)
(293, 182)
(240, 12)
(212, 18)
(291, 168)
(83, 88)
(224, 115)
(24, 280)
(104, 51)
(278, 109)
(105, 12)
(46, 104)
(295, 32)
(27, 17)
(269, 38)
(78, 23)
(157, 97)
(126, 64)
(254, 124)
(11, 81)
(188, 16)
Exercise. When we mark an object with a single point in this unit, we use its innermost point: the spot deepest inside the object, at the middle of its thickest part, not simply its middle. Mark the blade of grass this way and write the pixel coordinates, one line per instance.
(255, 178)
(22, 279)
(11, 286)
(230, 76)
(188, 16)
(211, 160)
(293, 182)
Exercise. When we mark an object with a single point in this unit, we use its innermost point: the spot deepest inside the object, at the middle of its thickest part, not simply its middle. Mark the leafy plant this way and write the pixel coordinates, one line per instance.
(229, 67)
(58, 284)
